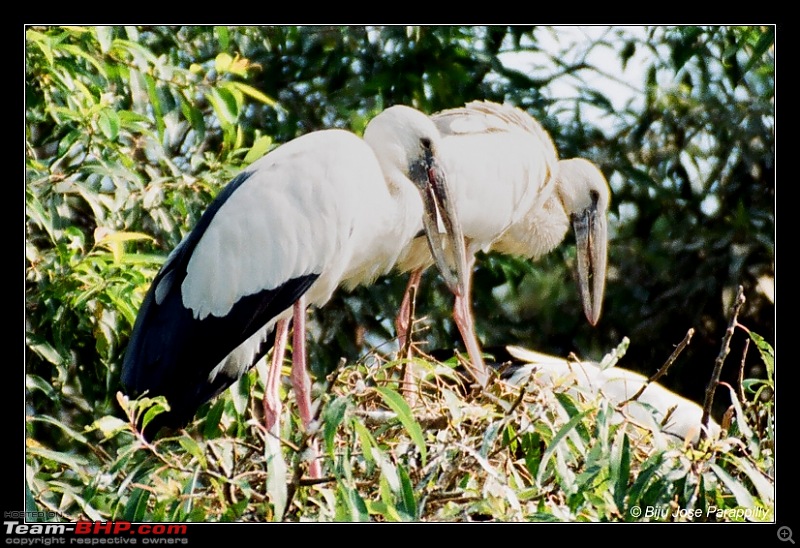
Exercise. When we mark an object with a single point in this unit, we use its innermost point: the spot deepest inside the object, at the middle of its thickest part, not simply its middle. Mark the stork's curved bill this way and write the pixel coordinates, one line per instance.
(442, 227)
(415, 152)
(591, 238)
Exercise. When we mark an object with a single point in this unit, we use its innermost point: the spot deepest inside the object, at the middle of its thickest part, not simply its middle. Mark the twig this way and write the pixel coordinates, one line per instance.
(331, 380)
(523, 390)
(668, 415)
(723, 353)
(297, 473)
(741, 371)
(663, 370)
(451, 496)
(283, 441)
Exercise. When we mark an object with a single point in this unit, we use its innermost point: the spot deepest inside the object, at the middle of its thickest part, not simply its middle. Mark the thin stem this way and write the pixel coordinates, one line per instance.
(718, 363)
(663, 370)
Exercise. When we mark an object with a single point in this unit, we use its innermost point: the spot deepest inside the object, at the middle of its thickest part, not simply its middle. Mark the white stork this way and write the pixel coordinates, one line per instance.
(513, 195)
(656, 408)
(323, 210)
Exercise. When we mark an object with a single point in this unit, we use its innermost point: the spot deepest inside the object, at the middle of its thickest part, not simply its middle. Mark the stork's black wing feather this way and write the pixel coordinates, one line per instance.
(171, 353)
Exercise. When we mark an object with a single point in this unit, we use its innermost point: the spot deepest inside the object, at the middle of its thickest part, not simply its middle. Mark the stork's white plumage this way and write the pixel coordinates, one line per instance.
(325, 209)
(656, 408)
(515, 196)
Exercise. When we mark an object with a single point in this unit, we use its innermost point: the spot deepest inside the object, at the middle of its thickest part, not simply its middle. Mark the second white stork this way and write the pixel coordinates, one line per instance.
(513, 195)
(656, 408)
(324, 209)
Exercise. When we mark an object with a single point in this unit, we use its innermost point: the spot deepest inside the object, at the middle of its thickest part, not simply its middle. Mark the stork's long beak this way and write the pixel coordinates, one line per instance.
(591, 237)
(443, 229)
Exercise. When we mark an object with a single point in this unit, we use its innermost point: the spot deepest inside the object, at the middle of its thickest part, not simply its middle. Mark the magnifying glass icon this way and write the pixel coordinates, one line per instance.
(785, 534)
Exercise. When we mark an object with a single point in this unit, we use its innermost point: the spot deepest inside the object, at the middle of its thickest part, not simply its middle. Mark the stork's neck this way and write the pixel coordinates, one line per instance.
(385, 230)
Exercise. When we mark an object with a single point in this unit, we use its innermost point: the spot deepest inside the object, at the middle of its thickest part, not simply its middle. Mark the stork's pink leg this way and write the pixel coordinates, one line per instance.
(301, 382)
(404, 319)
(272, 398)
(403, 325)
(462, 314)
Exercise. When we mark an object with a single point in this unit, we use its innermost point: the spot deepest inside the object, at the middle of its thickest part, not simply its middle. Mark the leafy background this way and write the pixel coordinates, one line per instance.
(130, 131)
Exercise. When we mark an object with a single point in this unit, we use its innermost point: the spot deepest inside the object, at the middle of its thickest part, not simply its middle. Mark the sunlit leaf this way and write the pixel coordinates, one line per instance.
(621, 465)
(260, 147)
(743, 497)
(224, 104)
(109, 123)
(397, 404)
(110, 426)
(767, 353)
(252, 92)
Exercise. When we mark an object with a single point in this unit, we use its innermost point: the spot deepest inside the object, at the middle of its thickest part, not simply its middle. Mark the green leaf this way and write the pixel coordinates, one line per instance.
(611, 359)
(767, 353)
(743, 497)
(260, 147)
(154, 406)
(408, 499)
(647, 471)
(240, 394)
(71, 493)
(366, 441)
(568, 403)
(332, 417)
(71, 432)
(105, 36)
(277, 475)
(140, 53)
(764, 43)
(764, 486)
(109, 123)
(110, 426)
(114, 241)
(211, 426)
(191, 447)
(35, 382)
(43, 41)
(31, 508)
(356, 509)
(223, 36)
(222, 62)
(562, 433)
(621, 466)
(194, 115)
(75, 462)
(136, 507)
(397, 404)
(741, 419)
(225, 106)
(81, 53)
(155, 103)
(252, 92)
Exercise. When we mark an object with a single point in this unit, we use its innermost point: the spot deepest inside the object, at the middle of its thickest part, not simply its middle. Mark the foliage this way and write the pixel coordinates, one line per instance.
(530, 452)
(130, 131)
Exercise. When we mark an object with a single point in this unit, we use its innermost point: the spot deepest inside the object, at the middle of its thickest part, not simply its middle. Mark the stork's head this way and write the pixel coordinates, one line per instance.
(585, 194)
(406, 143)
